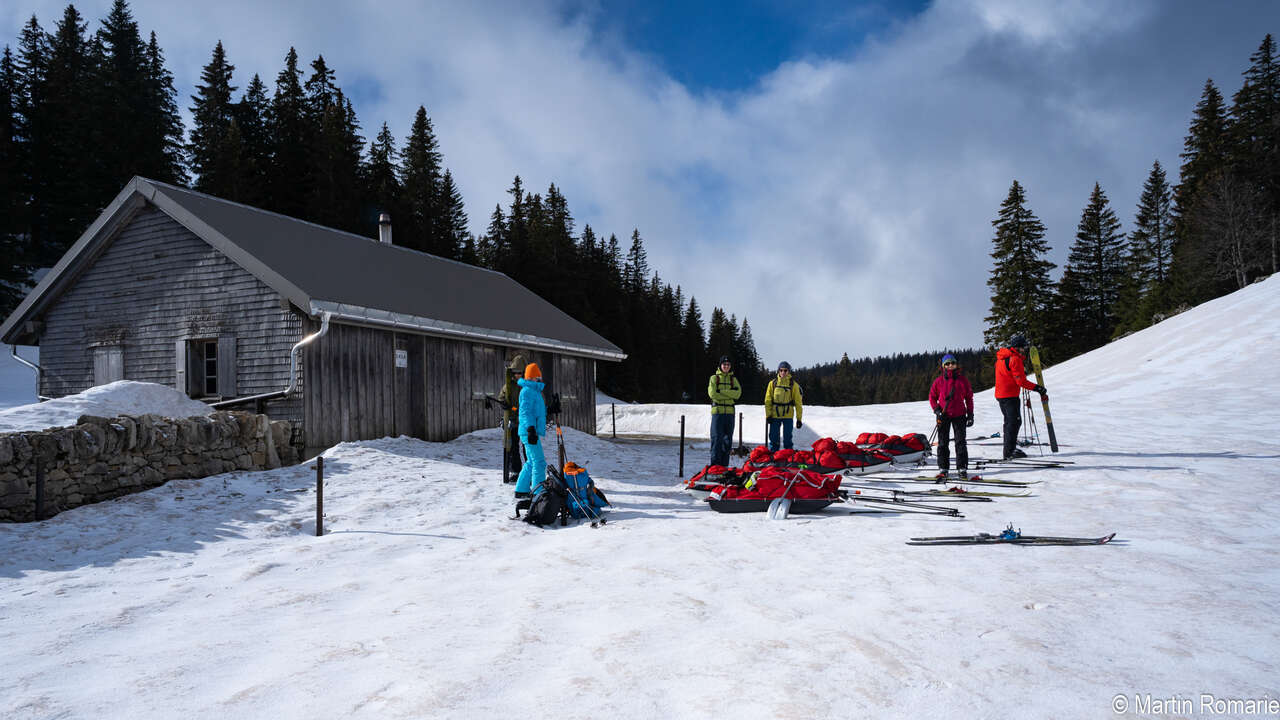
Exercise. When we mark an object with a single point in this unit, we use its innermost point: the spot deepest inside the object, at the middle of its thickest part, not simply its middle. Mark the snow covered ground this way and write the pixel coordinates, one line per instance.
(212, 598)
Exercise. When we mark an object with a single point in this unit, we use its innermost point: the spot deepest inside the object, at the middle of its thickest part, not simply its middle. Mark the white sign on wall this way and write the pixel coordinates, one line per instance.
(402, 358)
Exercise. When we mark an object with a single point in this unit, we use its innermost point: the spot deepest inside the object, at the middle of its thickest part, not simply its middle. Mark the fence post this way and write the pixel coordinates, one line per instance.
(39, 489)
(681, 446)
(613, 413)
(319, 495)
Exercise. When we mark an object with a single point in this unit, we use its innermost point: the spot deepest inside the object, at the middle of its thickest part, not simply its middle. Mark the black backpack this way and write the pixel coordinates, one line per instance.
(548, 505)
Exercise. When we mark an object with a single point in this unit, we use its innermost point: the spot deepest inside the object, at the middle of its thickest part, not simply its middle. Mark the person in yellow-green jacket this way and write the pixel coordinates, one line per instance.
(782, 399)
(724, 391)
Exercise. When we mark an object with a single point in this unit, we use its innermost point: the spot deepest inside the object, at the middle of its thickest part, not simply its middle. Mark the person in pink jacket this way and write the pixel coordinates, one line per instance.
(951, 398)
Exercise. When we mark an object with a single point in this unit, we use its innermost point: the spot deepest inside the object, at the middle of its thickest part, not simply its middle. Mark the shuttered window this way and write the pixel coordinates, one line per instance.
(108, 364)
(206, 367)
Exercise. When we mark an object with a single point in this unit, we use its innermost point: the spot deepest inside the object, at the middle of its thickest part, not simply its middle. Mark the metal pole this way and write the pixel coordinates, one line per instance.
(39, 490)
(319, 496)
(681, 447)
(739, 430)
(613, 412)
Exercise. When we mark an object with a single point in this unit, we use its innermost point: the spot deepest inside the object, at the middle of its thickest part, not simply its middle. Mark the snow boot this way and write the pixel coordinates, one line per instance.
(941, 476)
(964, 474)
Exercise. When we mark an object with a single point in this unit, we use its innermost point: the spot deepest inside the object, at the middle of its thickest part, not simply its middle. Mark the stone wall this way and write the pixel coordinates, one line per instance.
(103, 458)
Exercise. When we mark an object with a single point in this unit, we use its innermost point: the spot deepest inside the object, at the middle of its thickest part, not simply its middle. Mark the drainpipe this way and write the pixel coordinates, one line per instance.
(293, 354)
(13, 349)
(293, 371)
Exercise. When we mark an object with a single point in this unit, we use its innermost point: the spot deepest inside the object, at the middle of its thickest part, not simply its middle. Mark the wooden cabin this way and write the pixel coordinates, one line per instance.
(214, 298)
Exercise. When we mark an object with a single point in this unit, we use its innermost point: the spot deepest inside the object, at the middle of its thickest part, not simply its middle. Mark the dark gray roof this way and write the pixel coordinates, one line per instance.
(355, 278)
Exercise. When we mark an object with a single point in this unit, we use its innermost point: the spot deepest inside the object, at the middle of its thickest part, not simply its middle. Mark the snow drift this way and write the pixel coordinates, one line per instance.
(123, 397)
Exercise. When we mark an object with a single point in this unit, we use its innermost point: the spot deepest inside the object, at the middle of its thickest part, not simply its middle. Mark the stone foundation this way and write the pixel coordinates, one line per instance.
(102, 458)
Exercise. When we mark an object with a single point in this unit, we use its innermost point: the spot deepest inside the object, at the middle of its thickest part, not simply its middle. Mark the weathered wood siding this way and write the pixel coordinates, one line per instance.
(157, 283)
(356, 391)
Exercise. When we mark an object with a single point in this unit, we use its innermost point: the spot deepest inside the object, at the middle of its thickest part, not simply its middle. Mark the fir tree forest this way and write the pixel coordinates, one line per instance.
(85, 106)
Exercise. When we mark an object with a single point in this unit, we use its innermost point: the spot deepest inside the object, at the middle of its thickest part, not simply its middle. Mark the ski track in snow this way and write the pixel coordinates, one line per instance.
(212, 598)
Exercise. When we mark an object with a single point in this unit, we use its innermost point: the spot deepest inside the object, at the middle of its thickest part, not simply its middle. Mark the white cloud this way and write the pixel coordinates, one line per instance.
(842, 204)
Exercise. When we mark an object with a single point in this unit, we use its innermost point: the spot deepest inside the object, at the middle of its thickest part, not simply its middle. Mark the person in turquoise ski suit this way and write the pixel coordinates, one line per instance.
(533, 425)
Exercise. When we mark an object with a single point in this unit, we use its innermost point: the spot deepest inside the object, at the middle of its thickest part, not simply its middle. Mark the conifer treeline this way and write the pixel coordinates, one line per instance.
(902, 377)
(1212, 233)
(81, 113)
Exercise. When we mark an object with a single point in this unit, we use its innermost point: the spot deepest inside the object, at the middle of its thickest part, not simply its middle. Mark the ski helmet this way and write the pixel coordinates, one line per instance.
(784, 365)
(1018, 341)
(948, 358)
(725, 359)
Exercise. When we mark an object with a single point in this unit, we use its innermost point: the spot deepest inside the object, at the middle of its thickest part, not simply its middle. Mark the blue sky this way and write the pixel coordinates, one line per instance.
(827, 170)
(730, 46)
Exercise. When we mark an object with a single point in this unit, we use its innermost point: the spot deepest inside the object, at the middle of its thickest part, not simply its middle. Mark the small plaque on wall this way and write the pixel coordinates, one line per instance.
(402, 358)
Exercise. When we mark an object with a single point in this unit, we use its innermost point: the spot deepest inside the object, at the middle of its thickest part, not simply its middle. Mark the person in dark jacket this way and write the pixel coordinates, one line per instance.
(951, 398)
(509, 397)
(1011, 380)
(724, 391)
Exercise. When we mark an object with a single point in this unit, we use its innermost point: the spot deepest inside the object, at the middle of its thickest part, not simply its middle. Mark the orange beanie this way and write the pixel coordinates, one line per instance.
(531, 372)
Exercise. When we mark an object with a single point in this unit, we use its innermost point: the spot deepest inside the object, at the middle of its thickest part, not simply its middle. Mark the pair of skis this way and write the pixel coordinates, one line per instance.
(1044, 400)
(931, 480)
(1009, 537)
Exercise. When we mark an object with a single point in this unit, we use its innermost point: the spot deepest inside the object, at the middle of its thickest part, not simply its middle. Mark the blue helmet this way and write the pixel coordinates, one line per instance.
(1018, 341)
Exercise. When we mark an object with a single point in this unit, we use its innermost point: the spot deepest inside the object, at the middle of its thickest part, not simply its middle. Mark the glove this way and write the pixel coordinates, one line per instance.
(940, 415)
(1041, 389)
(968, 420)
(533, 436)
(799, 424)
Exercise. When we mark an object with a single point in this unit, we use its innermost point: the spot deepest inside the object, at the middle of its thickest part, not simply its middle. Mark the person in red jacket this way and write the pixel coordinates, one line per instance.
(951, 397)
(1011, 379)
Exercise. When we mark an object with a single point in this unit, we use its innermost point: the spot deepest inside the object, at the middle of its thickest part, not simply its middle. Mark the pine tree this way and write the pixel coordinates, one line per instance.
(1204, 152)
(15, 269)
(1019, 282)
(1091, 283)
(162, 154)
(251, 118)
(693, 354)
(493, 242)
(421, 183)
(65, 178)
(750, 371)
(1254, 131)
(140, 132)
(457, 236)
(32, 138)
(289, 172)
(636, 269)
(720, 339)
(212, 113)
(381, 183)
(335, 192)
(1149, 254)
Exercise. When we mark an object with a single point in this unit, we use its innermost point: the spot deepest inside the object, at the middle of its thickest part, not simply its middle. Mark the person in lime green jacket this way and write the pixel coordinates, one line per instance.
(724, 391)
(782, 399)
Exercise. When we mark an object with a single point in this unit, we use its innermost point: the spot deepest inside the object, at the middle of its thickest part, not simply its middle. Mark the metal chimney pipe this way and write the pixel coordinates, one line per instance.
(384, 228)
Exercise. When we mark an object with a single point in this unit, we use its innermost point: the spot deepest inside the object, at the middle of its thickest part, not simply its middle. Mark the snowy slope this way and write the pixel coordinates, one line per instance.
(211, 598)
